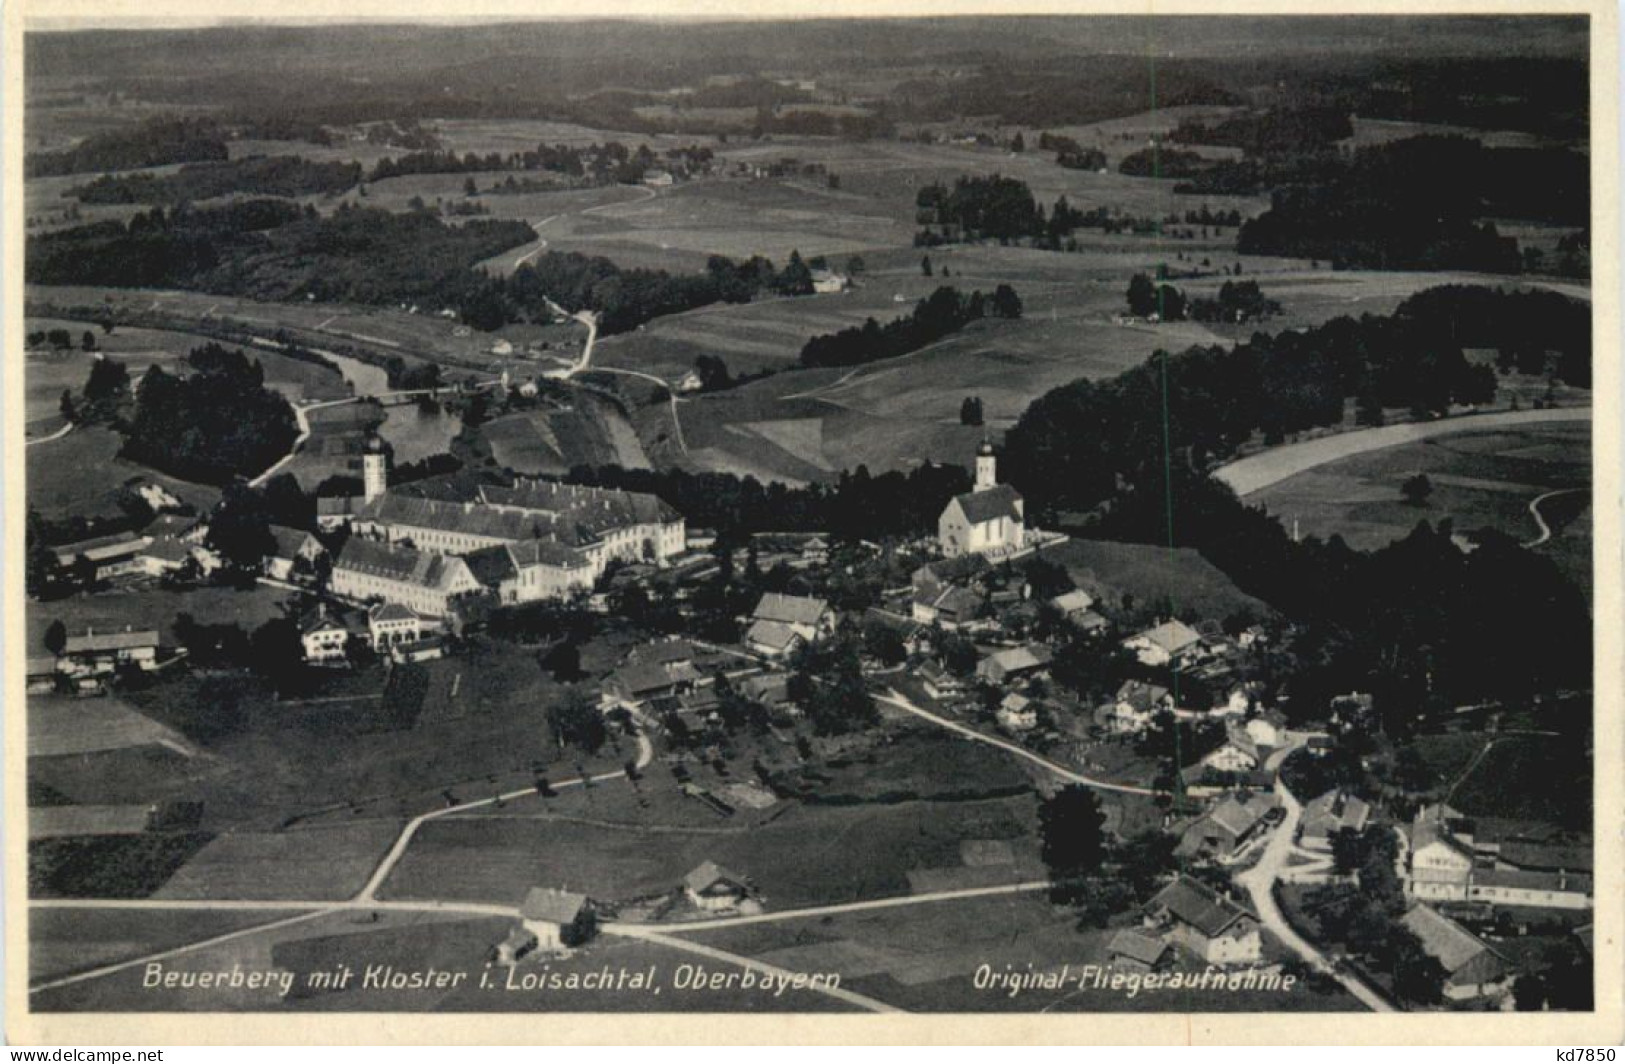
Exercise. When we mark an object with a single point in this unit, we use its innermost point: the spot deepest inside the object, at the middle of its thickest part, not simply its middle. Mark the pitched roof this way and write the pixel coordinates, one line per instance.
(1171, 636)
(1136, 947)
(385, 612)
(1446, 941)
(93, 642)
(1522, 879)
(1016, 659)
(640, 678)
(400, 564)
(101, 548)
(1332, 811)
(319, 620)
(790, 609)
(774, 634)
(958, 601)
(553, 905)
(1239, 817)
(1195, 903)
(1074, 601)
(491, 565)
(662, 652)
(1001, 500)
(289, 541)
(1141, 696)
(1545, 856)
(710, 873)
(167, 550)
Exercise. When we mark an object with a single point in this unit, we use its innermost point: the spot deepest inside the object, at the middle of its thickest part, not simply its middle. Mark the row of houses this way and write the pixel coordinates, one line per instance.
(1448, 857)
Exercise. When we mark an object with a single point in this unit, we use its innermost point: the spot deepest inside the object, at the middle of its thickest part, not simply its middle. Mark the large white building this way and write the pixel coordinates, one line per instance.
(532, 540)
(990, 519)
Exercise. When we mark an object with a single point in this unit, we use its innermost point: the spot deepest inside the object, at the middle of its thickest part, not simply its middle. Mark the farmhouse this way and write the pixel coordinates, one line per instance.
(1327, 815)
(1227, 827)
(323, 638)
(163, 556)
(1438, 867)
(1135, 952)
(369, 571)
(951, 607)
(780, 623)
(559, 919)
(989, 520)
(390, 624)
(1190, 914)
(1167, 644)
(293, 546)
(1135, 704)
(1452, 858)
(1472, 969)
(828, 281)
(715, 889)
(1017, 713)
(99, 653)
(1016, 663)
(110, 555)
(1238, 753)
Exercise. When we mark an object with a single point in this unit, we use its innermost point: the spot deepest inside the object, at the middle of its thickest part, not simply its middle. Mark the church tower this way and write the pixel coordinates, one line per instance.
(374, 468)
(986, 467)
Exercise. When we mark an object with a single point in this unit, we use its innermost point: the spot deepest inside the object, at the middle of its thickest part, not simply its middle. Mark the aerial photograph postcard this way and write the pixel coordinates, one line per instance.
(971, 514)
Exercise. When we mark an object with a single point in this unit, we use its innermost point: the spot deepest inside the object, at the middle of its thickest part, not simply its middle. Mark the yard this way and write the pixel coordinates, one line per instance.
(1138, 575)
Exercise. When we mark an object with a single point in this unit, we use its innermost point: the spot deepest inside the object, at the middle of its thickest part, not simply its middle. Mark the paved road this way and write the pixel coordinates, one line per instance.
(892, 698)
(1260, 883)
(1257, 472)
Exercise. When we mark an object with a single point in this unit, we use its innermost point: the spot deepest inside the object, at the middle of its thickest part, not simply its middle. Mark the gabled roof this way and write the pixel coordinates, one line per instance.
(491, 565)
(1015, 703)
(773, 634)
(1545, 856)
(167, 550)
(662, 652)
(958, 601)
(1333, 811)
(1141, 696)
(1171, 636)
(640, 678)
(1074, 601)
(1521, 879)
(1238, 817)
(790, 609)
(385, 612)
(1136, 947)
(1001, 500)
(93, 642)
(289, 541)
(320, 620)
(708, 874)
(1017, 659)
(101, 548)
(1453, 946)
(552, 905)
(1196, 904)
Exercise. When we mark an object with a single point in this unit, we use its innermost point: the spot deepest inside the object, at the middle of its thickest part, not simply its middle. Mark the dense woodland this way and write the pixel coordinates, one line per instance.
(217, 422)
(940, 314)
(280, 175)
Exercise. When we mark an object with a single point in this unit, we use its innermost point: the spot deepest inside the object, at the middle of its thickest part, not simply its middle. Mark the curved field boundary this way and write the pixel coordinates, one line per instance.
(1259, 471)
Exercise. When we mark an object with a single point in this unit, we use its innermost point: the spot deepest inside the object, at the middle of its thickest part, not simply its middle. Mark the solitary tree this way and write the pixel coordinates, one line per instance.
(1142, 296)
(56, 637)
(970, 411)
(1072, 838)
(1416, 489)
(925, 265)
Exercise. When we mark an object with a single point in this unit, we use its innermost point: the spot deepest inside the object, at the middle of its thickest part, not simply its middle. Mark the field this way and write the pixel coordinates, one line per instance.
(1480, 480)
(592, 431)
(81, 473)
(62, 727)
(330, 862)
(1117, 572)
(63, 941)
(809, 855)
(155, 608)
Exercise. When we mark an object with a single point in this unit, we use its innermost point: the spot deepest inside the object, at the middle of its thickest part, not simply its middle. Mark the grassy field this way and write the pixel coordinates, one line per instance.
(330, 862)
(1480, 480)
(156, 608)
(810, 855)
(591, 431)
(81, 473)
(59, 726)
(65, 941)
(1183, 578)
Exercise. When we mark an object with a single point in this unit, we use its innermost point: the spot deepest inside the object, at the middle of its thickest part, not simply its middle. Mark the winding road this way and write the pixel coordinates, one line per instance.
(1534, 511)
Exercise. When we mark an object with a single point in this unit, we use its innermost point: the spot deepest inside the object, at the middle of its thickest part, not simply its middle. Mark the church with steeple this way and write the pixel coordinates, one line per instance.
(990, 519)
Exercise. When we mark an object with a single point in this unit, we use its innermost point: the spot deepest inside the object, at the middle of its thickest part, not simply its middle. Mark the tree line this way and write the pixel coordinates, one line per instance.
(940, 314)
(278, 175)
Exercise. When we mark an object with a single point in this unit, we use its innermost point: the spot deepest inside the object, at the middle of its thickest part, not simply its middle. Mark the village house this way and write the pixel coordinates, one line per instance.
(1325, 816)
(560, 919)
(989, 520)
(519, 944)
(780, 623)
(1268, 728)
(826, 282)
(94, 653)
(714, 889)
(939, 682)
(1014, 664)
(1132, 951)
(1472, 969)
(637, 682)
(390, 624)
(1438, 867)
(1236, 821)
(163, 557)
(1017, 713)
(1238, 752)
(1217, 929)
(952, 608)
(42, 674)
(293, 545)
(1134, 705)
(325, 638)
(368, 571)
(1449, 857)
(1072, 603)
(1169, 643)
